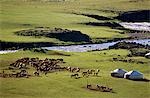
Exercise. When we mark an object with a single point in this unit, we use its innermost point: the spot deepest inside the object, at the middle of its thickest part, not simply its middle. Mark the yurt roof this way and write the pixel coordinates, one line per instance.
(147, 54)
(134, 72)
(119, 70)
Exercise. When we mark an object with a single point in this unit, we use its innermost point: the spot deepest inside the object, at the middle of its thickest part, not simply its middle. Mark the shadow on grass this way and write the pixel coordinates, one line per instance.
(18, 45)
(141, 80)
(112, 25)
(135, 16)
(96, 89)
(58, 33)
(97, 17)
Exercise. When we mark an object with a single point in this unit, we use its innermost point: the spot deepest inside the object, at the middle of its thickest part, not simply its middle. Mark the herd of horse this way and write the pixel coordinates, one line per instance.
(99, 88)
(86, 73)
(20, 68)
(44, 66)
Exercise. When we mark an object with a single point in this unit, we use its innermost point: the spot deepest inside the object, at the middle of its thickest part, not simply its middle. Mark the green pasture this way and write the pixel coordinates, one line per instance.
(24, 14)
(16, 15)
(60, 85)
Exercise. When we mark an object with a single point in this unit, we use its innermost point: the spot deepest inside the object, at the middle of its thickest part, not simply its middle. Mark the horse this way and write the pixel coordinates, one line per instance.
(36, 73)
(74, 75)
(89, 86)
(85, 74)
(96, 72)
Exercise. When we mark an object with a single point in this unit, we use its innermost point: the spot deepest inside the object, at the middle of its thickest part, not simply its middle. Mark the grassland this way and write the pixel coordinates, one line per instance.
(18, 15)
(60, 85)
(24, 14)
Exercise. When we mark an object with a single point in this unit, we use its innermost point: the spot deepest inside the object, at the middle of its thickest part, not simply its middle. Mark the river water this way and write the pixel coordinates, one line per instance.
(85, 48)
(144, 26)
(8, 51)
(89, 47)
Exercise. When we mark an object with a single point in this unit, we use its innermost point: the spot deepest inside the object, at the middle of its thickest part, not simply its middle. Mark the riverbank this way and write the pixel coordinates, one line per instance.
(86, 47)
(98, 20)
(19, 45)
(90, 47)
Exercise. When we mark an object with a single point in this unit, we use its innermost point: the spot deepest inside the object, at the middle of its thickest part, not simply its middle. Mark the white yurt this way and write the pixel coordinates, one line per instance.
(134, 75)
(118, 73)
(147, 55)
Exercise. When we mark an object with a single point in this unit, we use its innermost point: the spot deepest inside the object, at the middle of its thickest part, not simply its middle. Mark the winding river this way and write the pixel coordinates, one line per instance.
(88, 47)
(84, 48)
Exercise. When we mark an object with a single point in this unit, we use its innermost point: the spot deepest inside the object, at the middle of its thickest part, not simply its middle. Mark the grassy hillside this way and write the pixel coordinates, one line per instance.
(18, 15)
(60, 85)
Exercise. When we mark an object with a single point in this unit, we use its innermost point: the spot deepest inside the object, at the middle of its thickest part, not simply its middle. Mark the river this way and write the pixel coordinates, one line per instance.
(85, 48)
(88, 47)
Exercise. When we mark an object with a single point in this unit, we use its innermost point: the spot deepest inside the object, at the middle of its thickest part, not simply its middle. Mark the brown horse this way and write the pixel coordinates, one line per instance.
(74, 75)
(85, 73)
(96, 72)
(36, 73)
(89, 86)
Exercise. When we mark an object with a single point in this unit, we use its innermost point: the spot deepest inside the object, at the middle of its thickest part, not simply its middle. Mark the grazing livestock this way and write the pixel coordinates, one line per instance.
(73, 69)
(22, 73)
(89, 86)
(90, 71)
(85, 74)
(96, 72)
(69, 68)
(99, 88)
(104, 88)
(74, 75)
(36, 73)
(45, 66)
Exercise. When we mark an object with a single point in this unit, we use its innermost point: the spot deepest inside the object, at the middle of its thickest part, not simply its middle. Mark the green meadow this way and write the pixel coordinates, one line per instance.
(16, 15)
(19, 15)
(61, 85)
